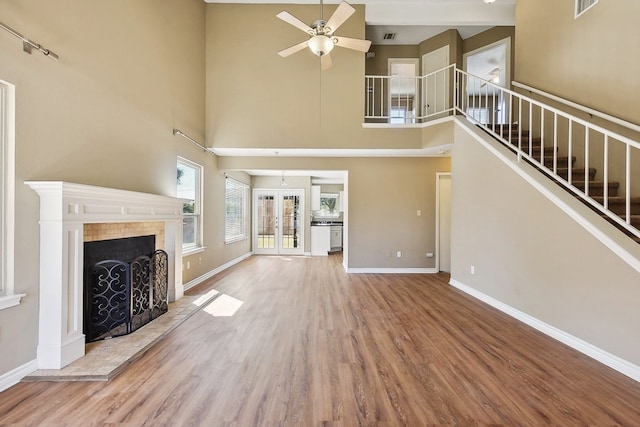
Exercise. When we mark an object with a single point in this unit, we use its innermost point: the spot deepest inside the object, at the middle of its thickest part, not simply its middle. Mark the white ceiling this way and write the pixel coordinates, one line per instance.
(413, 21)
(416, 20)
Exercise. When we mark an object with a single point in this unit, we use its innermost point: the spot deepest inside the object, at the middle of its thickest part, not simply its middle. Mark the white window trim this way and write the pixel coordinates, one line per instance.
(247, 215)
(198, 246)
(7, 201)
(581, 12)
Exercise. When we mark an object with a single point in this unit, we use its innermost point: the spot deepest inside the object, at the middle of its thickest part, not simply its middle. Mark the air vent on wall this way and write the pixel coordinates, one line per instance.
(389, 36)
(583, 5)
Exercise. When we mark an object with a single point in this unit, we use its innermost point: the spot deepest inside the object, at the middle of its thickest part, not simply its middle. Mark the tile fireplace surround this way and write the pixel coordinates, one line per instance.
(65, 208)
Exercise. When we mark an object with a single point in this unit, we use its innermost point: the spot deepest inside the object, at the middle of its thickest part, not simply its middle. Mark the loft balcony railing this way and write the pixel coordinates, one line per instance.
(596, 164)
(409, 100)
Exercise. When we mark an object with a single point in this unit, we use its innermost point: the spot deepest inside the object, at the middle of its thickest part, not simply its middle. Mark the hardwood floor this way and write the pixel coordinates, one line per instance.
(312, 345)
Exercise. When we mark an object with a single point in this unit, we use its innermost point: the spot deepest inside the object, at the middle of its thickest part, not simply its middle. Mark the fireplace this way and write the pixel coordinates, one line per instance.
(125, 286)
(69, 213)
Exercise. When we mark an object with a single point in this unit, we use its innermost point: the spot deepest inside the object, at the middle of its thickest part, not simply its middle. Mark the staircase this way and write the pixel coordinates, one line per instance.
(533, 147)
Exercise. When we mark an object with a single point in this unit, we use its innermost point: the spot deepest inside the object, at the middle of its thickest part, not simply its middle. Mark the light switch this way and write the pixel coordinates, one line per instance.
(419, 213)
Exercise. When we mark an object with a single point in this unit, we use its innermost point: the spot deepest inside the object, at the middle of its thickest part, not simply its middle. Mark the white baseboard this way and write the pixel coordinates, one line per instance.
(623, 366)
(13, 377)
(393, 270)
(215, 271)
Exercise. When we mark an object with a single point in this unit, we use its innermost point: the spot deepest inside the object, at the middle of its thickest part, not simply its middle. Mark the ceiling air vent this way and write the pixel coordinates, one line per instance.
(389, 36)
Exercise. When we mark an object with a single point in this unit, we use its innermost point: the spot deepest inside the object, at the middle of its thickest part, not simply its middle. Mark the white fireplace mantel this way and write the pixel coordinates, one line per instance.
(64, 209)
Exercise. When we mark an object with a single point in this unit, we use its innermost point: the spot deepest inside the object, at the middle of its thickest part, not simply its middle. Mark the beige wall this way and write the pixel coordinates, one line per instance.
(129, 72)
(591, 60)
(530, 255)
(450, 38)
(384, 196)
(379, 64)
(256, 99)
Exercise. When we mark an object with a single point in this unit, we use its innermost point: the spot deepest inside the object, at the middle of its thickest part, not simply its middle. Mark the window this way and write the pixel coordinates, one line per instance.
(236, 218)
(584, 5)
(328, 206)
(189, 184)
(7, 198)
(397, 115)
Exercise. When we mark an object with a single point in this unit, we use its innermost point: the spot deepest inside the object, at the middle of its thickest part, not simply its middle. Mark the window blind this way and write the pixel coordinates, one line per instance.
(236, 211)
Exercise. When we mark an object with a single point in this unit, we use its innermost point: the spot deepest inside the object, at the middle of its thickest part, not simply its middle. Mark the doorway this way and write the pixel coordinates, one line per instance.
(443, 222)
(403, 90)
(491, 63)
(278, 225)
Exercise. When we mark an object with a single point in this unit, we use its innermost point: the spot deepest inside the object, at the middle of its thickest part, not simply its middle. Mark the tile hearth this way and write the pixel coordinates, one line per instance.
(105, 359)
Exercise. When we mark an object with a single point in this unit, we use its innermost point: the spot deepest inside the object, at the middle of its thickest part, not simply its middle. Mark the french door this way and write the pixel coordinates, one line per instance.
(278, 222)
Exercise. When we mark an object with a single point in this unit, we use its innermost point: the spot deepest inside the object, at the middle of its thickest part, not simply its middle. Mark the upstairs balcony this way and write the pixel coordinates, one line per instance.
(598, 165)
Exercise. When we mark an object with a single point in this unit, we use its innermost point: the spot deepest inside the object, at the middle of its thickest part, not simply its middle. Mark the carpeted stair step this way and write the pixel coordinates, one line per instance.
(562, 160)
(596, 188)
(576, 173)
(618, 204)
(535, 143)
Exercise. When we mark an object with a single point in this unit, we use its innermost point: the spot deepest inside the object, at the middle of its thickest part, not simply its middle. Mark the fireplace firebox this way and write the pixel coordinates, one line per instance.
(126, 284)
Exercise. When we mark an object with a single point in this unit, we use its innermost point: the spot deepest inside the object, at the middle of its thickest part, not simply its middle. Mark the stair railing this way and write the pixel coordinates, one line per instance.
(557, 143)
(599, 166)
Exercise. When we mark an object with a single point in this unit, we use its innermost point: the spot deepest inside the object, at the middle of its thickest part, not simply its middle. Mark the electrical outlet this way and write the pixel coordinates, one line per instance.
(473, 269)
(429, 254)
(419, 212)
(399, 254)
(188, 265)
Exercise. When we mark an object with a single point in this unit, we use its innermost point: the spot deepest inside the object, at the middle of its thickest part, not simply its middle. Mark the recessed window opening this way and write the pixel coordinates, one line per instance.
(328, 206)
(7, 195)
(189, 187)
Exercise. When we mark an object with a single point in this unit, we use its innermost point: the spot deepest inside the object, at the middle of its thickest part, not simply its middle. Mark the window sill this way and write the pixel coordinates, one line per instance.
(10, 300)
(194, 250)
(236, 240)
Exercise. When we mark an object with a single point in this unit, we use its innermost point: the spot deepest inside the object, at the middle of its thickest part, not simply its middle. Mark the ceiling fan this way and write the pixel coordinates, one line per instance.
(322, 34)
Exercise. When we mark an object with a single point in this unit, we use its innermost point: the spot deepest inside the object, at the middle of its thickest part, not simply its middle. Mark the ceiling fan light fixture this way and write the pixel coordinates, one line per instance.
(320, 44)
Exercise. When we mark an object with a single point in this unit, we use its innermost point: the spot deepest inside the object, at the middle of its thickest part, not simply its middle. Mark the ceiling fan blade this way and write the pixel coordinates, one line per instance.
(342, 13)
(293, 49)
(290, 19)
(326, 62)
(355, 44)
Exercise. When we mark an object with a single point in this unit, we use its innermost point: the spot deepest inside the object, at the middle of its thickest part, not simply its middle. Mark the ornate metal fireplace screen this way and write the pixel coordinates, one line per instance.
(126, 295)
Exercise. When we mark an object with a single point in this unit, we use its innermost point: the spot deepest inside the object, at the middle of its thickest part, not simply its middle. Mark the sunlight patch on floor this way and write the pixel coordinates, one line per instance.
(223, 306)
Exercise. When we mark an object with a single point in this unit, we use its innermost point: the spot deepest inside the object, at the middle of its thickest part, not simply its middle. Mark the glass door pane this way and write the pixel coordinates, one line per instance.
(290, 222)
(266, 221)
(278, 222)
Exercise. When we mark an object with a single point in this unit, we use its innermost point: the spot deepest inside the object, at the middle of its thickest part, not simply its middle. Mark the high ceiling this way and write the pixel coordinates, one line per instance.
(416, 20)
(413, 21)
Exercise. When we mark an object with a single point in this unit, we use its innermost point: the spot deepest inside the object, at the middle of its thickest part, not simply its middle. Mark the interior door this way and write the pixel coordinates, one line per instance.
(444, 222)
(278, 226)
(435, 87)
